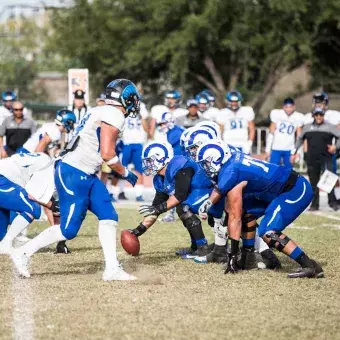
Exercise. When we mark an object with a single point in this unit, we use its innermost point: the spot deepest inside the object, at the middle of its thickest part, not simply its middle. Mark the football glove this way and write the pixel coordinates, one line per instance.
(204, 209)
(148, 210)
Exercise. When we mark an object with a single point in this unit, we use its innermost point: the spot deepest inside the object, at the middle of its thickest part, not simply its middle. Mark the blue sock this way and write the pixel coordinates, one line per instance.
(201, 242)
(296, 253)
(248, 243)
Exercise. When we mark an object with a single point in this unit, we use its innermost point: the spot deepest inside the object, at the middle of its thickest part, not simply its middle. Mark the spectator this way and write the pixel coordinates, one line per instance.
(17, 129)
(320, 150)
(192, 117)
(79, 107)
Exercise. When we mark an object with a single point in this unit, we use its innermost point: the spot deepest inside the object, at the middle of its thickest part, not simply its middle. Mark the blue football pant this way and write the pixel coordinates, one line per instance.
(79, 192)
(281, 156)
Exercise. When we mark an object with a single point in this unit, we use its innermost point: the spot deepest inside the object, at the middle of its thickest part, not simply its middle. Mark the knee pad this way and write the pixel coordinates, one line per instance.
(189, 220)
(275, 241)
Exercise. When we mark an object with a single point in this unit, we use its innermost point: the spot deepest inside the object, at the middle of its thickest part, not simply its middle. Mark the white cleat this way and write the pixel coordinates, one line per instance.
(20, 261)
(117, 274)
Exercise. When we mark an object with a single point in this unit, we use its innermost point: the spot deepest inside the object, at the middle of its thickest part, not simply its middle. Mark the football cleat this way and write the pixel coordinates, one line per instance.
(122, 196)
(314, 271)
(270, 259)
(247, 260)
(140, 199)
(20, 261)
(117, 274)
(218, 255)
(169, 218)
(199, 252)
(186, 251)
(62, 248)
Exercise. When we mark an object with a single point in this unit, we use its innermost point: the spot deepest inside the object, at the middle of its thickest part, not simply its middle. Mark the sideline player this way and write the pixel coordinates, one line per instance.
(134, 136)
(78, 186)
(284, 128)
(237, 123)
(283, 193)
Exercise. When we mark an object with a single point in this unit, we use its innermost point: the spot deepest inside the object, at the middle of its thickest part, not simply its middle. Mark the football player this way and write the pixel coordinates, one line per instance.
(283, 193)
(212, 112)
(237, 123)
(134, 136)
(49, 135)
(172, 101)
(78, 186)
(285, 126)
(26, 182)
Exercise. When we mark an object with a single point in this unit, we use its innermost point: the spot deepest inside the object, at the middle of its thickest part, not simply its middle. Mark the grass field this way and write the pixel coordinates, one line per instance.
(173, 299)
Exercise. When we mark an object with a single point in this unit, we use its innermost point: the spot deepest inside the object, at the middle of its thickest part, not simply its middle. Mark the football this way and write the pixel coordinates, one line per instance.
(130, 243)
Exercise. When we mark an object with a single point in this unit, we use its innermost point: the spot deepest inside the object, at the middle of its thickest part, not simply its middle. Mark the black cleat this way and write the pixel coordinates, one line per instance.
(313, 209)
(62, 248)
(200, 251)
(122, 196)
(186, 251)
(218, 255)
(270, 259)
(314, 271)
(247, 260)
(334, 206)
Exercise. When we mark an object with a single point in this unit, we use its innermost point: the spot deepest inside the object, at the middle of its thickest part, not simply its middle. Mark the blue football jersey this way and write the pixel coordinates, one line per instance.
(173, 137)
(265, 180)
(167, 183)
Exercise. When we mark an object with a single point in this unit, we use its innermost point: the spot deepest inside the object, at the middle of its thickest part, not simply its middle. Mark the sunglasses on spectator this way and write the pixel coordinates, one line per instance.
(20, 109)
(318, 114)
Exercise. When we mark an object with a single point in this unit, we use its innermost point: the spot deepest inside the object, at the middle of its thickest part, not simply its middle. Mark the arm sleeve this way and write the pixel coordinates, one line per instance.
(160, 198)
(183, 181)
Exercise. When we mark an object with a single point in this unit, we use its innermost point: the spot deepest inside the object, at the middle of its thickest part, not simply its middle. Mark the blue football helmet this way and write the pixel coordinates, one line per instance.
(234, 99)
(203, 102)
(155, 157)
(123, 92)
(212, 155)
(66, 118)
(8, 96)
(210, 96)
(174, 94)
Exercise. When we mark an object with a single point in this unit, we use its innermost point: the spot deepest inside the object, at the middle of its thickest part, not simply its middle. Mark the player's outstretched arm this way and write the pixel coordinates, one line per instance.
(108, 139)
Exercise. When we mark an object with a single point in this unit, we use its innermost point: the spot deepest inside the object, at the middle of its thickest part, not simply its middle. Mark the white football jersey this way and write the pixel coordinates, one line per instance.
(50, 129)
(332, 117)
(157, 111)
(178, 112)
(133, 131)
(32, 171)
(211, 114)
(235, 125)
(86, 155)
(286, 125)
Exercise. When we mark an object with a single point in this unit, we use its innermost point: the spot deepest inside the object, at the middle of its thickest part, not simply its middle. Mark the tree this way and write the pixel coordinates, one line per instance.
(244, 44)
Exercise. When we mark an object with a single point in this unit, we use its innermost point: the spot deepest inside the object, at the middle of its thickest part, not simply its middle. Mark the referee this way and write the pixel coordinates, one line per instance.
(320, 150)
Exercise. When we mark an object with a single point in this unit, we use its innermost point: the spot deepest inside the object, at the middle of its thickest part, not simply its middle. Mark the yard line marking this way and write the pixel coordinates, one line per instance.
(22, 314)
(331, 217)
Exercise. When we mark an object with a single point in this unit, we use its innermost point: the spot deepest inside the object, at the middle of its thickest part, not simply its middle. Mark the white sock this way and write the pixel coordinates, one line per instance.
(260, 245)
(107, 238)
(220, 232)
(45, 238)
(121, 185)
(139, 189)
(17, 226)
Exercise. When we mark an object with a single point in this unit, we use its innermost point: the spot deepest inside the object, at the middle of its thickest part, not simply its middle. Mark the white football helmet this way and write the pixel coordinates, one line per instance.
(211, 125)
(184, 136)
(212, 155)
(155, 157)
(165, 122)
(197, 136)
